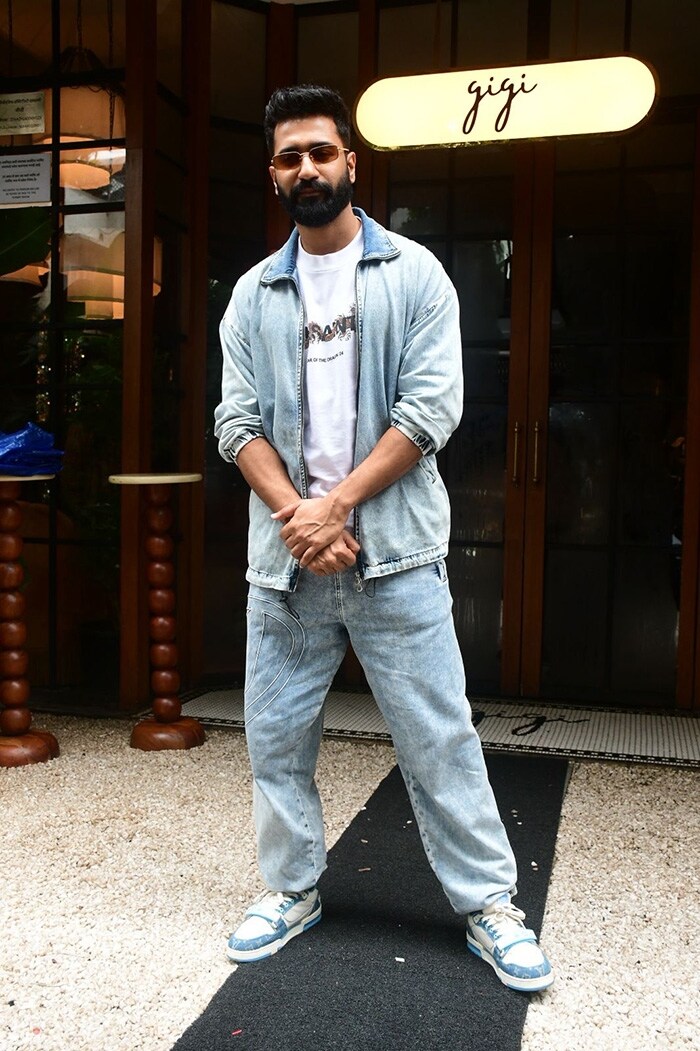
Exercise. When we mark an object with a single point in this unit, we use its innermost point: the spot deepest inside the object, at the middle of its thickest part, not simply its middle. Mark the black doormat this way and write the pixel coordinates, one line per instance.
(387, 969)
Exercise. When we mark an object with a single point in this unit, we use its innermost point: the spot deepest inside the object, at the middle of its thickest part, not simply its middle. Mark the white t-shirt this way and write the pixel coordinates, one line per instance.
(330, 363)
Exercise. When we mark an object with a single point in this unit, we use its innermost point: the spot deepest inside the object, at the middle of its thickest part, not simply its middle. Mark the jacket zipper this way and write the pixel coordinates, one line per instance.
(300, 395)
(359, 581)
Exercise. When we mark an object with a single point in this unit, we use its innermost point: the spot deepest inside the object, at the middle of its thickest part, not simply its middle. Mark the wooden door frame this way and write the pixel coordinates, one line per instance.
(196, 63)
(688, 682)
(538, 423)
(517, 420)
(137, 354)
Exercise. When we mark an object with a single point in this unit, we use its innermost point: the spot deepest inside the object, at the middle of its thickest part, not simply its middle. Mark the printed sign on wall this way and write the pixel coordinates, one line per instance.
(25, 179)
(22, 114)
(542, 100)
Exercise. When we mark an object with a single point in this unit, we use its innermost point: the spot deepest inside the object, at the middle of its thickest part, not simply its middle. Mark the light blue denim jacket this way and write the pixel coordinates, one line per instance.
(410, 377)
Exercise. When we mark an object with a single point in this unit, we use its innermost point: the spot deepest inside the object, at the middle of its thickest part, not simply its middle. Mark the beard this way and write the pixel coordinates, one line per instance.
(321, 210)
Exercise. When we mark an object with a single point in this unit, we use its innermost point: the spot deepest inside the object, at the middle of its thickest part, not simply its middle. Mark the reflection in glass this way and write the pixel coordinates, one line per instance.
(657, 286)
(618, 375)
(482, 206)
(586, 287)
(475, 580)
(417, 210)
(473, 464)
(645, 623)
(482, 271)
(580, 463)
(574, 640)
(579, 370)
(92, 260)
(651, 436)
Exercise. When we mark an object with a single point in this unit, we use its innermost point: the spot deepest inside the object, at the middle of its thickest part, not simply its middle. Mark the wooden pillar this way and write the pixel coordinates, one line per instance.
(166, 728)
(196, 35)
(19, 745)
(141, 24)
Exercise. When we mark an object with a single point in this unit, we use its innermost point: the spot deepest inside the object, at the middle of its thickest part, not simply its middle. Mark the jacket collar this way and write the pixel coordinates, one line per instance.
(377, 245)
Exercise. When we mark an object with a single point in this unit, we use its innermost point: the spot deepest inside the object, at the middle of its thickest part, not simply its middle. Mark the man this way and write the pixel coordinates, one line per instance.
(341, 380)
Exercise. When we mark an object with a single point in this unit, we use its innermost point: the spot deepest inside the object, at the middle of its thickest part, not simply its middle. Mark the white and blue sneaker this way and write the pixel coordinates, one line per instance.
(499, 936)
(270, 922)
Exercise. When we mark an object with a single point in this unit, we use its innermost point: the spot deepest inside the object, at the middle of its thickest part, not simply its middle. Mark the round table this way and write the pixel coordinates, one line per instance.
(166, 728)
(19, 746)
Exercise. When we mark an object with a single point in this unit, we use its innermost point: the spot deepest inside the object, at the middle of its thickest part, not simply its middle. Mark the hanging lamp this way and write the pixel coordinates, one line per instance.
(88, 111)
(28, 275)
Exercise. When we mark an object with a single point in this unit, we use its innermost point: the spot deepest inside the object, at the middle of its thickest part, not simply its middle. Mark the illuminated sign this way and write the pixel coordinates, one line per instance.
(534, 101)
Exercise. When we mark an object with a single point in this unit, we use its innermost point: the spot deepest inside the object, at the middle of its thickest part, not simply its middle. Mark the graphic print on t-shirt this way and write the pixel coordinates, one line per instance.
(330, 368)
(342, 328)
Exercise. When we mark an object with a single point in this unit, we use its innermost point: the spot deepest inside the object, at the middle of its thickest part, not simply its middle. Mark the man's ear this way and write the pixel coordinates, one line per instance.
(274, 179)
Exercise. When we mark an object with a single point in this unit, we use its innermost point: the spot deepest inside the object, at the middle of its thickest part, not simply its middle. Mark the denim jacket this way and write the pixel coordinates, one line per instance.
(409, 377)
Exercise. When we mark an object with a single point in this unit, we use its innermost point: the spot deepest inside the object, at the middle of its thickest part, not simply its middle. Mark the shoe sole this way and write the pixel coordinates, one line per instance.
(522, 985)
(264, 951)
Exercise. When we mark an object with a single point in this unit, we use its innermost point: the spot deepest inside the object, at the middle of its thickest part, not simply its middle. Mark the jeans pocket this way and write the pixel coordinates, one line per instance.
(275, 646)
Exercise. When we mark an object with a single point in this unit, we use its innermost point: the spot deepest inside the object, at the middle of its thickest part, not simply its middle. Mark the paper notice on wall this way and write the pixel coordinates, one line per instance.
(25, 179)
(22, 114)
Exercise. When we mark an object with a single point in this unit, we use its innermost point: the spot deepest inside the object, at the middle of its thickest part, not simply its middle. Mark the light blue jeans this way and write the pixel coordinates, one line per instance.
(402, 631)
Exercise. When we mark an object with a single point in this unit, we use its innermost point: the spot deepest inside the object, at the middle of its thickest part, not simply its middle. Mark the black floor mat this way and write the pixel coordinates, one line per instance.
(387, 968)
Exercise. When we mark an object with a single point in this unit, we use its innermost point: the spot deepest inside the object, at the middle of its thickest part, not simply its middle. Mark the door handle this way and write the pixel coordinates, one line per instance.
(516, 451)
(536, 455)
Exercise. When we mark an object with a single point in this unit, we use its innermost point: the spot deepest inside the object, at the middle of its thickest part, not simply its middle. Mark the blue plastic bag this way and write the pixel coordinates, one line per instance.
(29, 451)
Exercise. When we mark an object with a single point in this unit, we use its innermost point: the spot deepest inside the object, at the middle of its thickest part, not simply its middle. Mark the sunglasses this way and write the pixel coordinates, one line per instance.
(287, 162)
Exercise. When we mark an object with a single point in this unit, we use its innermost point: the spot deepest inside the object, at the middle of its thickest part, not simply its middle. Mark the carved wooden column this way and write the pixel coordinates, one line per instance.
(166, 728)
(18, 745)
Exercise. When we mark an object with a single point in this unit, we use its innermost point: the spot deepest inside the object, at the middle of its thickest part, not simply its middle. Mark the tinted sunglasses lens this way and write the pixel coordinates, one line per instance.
(286, 161)
(324, 154)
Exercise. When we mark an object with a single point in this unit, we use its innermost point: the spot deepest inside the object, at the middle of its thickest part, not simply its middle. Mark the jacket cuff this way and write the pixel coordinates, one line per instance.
(231, 450)
(417, 437)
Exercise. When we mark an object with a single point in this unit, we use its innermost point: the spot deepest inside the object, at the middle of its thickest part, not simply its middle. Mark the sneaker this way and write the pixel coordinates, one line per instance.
(271, 921)
(499, 936)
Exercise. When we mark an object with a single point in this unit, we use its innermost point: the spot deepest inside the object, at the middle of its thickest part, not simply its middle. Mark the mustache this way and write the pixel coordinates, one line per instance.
(309, 184)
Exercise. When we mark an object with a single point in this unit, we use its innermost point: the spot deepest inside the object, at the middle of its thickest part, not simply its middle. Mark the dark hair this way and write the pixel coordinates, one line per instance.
(306, 100)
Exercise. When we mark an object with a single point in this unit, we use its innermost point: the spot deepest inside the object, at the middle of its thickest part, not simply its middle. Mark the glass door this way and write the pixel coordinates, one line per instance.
(607, 404)
(572, 265)
(461, 207)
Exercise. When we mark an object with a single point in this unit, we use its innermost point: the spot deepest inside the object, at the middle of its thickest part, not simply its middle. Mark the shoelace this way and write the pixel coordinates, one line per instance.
(275, 898)
(501, 915)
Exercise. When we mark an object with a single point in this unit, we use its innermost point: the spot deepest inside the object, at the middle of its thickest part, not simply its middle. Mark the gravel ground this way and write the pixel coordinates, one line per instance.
(123, 872)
